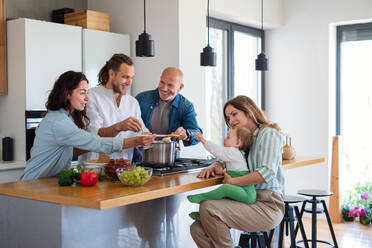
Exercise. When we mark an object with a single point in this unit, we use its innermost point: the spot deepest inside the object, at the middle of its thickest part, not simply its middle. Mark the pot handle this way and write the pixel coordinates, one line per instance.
(144, 147)
(178, 146)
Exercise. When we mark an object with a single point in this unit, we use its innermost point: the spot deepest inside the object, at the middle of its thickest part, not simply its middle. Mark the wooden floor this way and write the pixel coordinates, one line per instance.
(349, 234)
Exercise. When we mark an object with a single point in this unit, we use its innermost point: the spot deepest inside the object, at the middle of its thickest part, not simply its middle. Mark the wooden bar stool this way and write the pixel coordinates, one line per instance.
(291, 214)
(314, 211)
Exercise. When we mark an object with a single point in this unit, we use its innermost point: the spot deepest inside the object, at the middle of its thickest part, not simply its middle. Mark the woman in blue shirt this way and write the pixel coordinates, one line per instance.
(264, 164)
(61, 134)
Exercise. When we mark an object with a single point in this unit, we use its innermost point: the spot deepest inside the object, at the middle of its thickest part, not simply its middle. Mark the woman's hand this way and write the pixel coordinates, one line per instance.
(227, 178)
(146, 140)
(215, 169)
(138, 141)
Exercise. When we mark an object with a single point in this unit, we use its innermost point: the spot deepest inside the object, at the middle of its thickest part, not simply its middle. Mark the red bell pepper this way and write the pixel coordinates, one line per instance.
(88, 178)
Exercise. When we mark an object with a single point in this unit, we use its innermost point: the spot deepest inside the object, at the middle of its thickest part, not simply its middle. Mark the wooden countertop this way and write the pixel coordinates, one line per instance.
(109, 194)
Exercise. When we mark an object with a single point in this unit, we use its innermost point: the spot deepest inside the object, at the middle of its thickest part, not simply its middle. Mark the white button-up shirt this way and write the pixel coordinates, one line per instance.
(103, 111)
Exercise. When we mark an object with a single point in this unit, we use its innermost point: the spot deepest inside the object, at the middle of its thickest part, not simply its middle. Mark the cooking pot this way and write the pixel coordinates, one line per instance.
(159, 153)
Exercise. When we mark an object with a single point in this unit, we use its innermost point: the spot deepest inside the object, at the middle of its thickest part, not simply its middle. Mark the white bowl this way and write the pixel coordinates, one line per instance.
(94, 166)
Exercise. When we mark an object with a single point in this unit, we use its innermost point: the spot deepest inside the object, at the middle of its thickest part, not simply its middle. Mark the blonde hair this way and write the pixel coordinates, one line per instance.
(250, 108)
(245, 136)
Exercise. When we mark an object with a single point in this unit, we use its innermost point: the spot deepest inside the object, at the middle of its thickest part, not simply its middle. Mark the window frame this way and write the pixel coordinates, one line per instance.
(339, 31)
(230, 27)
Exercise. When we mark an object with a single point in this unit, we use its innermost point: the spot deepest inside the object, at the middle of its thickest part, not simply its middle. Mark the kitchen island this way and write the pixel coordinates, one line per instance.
(39, 213)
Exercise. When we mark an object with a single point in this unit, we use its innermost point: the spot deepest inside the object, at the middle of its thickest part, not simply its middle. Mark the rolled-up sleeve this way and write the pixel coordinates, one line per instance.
(269, 154)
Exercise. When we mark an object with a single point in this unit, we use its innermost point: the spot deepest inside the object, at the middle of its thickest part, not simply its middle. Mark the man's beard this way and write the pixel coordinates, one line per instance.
(117, 89)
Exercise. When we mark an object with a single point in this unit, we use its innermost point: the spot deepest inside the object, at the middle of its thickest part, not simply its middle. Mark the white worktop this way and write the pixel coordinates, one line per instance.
(12, 165)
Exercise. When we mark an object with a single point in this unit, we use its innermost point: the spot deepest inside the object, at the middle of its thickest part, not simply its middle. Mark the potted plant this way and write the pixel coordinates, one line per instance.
(346, 209)
(358, 204)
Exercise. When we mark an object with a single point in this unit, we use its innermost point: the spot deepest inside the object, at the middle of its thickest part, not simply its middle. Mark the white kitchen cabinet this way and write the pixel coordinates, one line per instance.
(51, 49)
(46, 50)
(38, 52)
(98, 47)
(11, 171)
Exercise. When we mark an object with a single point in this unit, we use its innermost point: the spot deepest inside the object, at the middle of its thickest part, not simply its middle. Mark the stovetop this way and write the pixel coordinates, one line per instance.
(180, 165)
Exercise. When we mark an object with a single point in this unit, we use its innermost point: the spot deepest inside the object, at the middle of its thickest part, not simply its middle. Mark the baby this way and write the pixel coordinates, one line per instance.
(232, 155)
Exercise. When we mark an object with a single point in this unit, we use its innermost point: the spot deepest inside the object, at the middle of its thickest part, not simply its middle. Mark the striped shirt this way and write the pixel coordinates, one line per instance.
(265, 157)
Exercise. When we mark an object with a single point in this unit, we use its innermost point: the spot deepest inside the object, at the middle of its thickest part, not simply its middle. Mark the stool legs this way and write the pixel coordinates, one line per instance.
(330, 224)
(281, 230)
(314, 212)
(289, 219)
(300, 224)
(313, 223)
(249, 240)
(291, 226)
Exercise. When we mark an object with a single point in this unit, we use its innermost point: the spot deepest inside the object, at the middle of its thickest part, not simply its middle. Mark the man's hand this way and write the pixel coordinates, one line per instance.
(129, 124)
(180, 131)
(199, 137)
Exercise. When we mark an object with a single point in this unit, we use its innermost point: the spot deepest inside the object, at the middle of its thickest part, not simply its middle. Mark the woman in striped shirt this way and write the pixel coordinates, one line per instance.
(264, 164)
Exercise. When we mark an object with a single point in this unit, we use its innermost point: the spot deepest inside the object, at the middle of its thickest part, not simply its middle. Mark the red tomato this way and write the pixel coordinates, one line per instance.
(88, 178)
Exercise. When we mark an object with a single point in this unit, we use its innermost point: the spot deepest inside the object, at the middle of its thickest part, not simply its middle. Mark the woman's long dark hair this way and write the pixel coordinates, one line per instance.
(63, 87)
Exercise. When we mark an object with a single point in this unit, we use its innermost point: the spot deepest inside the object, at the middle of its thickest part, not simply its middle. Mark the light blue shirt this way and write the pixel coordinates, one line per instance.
(265, 157)
(55, 138)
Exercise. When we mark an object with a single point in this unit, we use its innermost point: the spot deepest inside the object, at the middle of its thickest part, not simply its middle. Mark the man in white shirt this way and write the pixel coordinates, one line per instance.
(112, 112)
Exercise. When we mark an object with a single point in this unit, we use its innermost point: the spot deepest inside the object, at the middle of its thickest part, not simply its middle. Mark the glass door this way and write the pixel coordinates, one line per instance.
(216, 83)
(237, 47)
(354, 103)
(246, 78)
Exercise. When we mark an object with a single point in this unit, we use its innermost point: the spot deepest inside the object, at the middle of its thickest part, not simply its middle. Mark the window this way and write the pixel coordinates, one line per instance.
(237, 48)
(354, 102)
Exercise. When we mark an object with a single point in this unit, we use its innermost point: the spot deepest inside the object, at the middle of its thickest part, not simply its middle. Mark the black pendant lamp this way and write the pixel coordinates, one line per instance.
(145, 47)
(208, 57)
(261, 61)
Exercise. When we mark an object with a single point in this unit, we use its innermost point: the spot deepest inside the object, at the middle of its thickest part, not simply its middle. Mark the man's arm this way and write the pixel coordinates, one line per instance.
(190, 124)
(129, 124)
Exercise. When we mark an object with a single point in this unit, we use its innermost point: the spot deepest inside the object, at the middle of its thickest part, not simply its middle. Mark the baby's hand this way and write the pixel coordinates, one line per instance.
(199, 137)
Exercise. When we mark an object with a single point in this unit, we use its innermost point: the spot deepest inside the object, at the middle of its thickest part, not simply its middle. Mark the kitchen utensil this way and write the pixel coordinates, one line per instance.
(159, 153)
(177, 136)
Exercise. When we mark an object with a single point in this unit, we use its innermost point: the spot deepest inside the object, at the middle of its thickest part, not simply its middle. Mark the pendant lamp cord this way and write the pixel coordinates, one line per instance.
(262, 14)
(144, 15)
(208, 22)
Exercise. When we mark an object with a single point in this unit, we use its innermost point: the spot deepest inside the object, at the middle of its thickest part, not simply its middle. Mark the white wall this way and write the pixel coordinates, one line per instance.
(178, 28)
(248, 12)
(192, 31)
(126, 17)
(298, 82)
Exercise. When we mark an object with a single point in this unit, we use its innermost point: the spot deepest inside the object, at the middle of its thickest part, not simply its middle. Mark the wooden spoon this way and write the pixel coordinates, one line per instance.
(176, 136)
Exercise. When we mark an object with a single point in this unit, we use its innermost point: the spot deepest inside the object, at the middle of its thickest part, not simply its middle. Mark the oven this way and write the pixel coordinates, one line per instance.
(32, 118)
